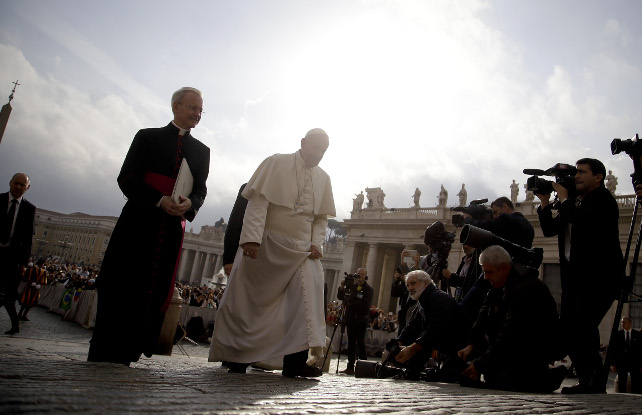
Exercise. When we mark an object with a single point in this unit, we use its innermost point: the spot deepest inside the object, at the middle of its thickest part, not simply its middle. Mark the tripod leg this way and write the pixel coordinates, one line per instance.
(624, 293)
(340, 344)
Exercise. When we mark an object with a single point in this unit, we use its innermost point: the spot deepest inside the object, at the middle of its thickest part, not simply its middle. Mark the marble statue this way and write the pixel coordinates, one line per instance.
(375, 198)
(514, 191)
(530, 196)
(357, 202)
(463, 195)
(611, 182)
(416, 196)
(443, 197)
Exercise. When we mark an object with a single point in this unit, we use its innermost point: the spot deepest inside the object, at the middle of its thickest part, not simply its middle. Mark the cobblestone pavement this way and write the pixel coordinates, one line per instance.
(43, 370)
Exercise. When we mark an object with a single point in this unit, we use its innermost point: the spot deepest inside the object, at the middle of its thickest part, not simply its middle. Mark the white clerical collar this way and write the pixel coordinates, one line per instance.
(300, 161)
(181, 131)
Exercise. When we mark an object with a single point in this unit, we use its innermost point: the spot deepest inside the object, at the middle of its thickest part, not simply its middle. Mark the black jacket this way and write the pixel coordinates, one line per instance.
(438, 323)
(519, 324)
(595, 253)
(234, 228)
(20, 244)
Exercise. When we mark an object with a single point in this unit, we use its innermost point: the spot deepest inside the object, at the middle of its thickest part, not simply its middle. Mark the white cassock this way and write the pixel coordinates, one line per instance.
(273, 305)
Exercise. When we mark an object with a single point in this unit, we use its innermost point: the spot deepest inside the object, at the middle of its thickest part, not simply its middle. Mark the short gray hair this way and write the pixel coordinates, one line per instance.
(495, 255)
(421, 276)
(178, 95)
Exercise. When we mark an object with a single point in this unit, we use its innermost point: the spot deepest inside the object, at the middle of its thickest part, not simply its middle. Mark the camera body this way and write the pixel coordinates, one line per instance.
(438, 239)
(349, 286)
(476, 209)
(564, 175)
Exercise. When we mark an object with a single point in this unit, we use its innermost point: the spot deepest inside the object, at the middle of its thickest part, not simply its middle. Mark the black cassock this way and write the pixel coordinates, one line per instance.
(138, 272)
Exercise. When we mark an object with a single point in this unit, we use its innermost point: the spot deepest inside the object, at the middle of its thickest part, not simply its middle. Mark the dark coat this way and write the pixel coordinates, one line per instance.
(234, 228)
(19, 250)
(465, 282)
(20, 245)
(518, 326)
(406, 303)
(438, 323)
(144, 247)
(596, 257)
(630, 358)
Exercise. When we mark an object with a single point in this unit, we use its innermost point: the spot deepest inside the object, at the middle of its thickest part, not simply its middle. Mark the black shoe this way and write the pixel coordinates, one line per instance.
(12, 331)
(234, 367)
(348, 371)
(556, 377)
(23, 318)
(302, 371)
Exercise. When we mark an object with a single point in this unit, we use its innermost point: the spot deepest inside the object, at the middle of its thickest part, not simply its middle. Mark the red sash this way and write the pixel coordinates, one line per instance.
(165, 185)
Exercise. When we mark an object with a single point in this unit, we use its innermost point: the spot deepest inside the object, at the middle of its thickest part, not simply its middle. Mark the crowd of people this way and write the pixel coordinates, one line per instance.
(379, 319)
(200, 296)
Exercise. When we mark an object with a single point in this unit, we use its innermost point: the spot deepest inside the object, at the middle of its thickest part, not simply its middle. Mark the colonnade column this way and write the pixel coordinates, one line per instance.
(196, 268)
(371, 264)
(348, 256)
(219, 263)
(185, 267)
(207, 267)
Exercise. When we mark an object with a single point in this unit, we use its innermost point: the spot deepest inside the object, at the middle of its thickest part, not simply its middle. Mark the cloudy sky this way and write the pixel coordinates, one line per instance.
(412, 93)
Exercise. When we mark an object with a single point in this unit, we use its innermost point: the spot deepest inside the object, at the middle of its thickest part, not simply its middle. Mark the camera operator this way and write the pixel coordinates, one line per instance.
(516, 333)
(357, 299)
(506, 223)
(466, 275)
(399, 289)
(591, 265)
(437, 324)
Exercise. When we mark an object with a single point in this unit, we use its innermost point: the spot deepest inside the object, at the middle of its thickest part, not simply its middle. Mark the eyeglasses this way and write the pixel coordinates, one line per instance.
(193, 108)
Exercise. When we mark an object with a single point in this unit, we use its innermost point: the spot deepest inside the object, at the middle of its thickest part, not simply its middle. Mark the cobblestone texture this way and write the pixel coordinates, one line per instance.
(43, 370)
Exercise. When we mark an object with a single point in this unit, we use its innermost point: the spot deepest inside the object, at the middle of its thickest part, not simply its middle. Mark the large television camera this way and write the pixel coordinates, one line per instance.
(476, 209)
(564, 175)
(480, 239)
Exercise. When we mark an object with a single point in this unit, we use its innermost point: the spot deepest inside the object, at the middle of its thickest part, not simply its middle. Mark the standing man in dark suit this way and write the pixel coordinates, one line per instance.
(15, 242)
(591, 265)
(144, 250)
(628, 357)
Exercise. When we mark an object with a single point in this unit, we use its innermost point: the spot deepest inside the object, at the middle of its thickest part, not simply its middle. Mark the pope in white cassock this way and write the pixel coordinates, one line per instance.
(273, 305)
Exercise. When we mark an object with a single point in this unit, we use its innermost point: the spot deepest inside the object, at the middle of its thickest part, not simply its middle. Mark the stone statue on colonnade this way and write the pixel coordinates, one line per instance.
(416, 196)
(442, 197)
(463, 195)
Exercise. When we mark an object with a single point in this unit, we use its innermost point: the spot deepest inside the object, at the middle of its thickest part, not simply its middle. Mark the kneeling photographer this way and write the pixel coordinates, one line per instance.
(357, 299)
(517, 331)
(438, 326)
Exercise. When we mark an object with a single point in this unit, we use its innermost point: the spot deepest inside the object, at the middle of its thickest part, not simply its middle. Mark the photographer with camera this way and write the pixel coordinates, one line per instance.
(356, 295)
(399, 289)
(437, 324)
(591, 264)
(516, 333)
(466, 275)
(506, 222)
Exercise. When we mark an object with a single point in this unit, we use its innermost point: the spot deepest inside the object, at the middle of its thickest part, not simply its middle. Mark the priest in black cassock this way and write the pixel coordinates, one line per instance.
(137, 276)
